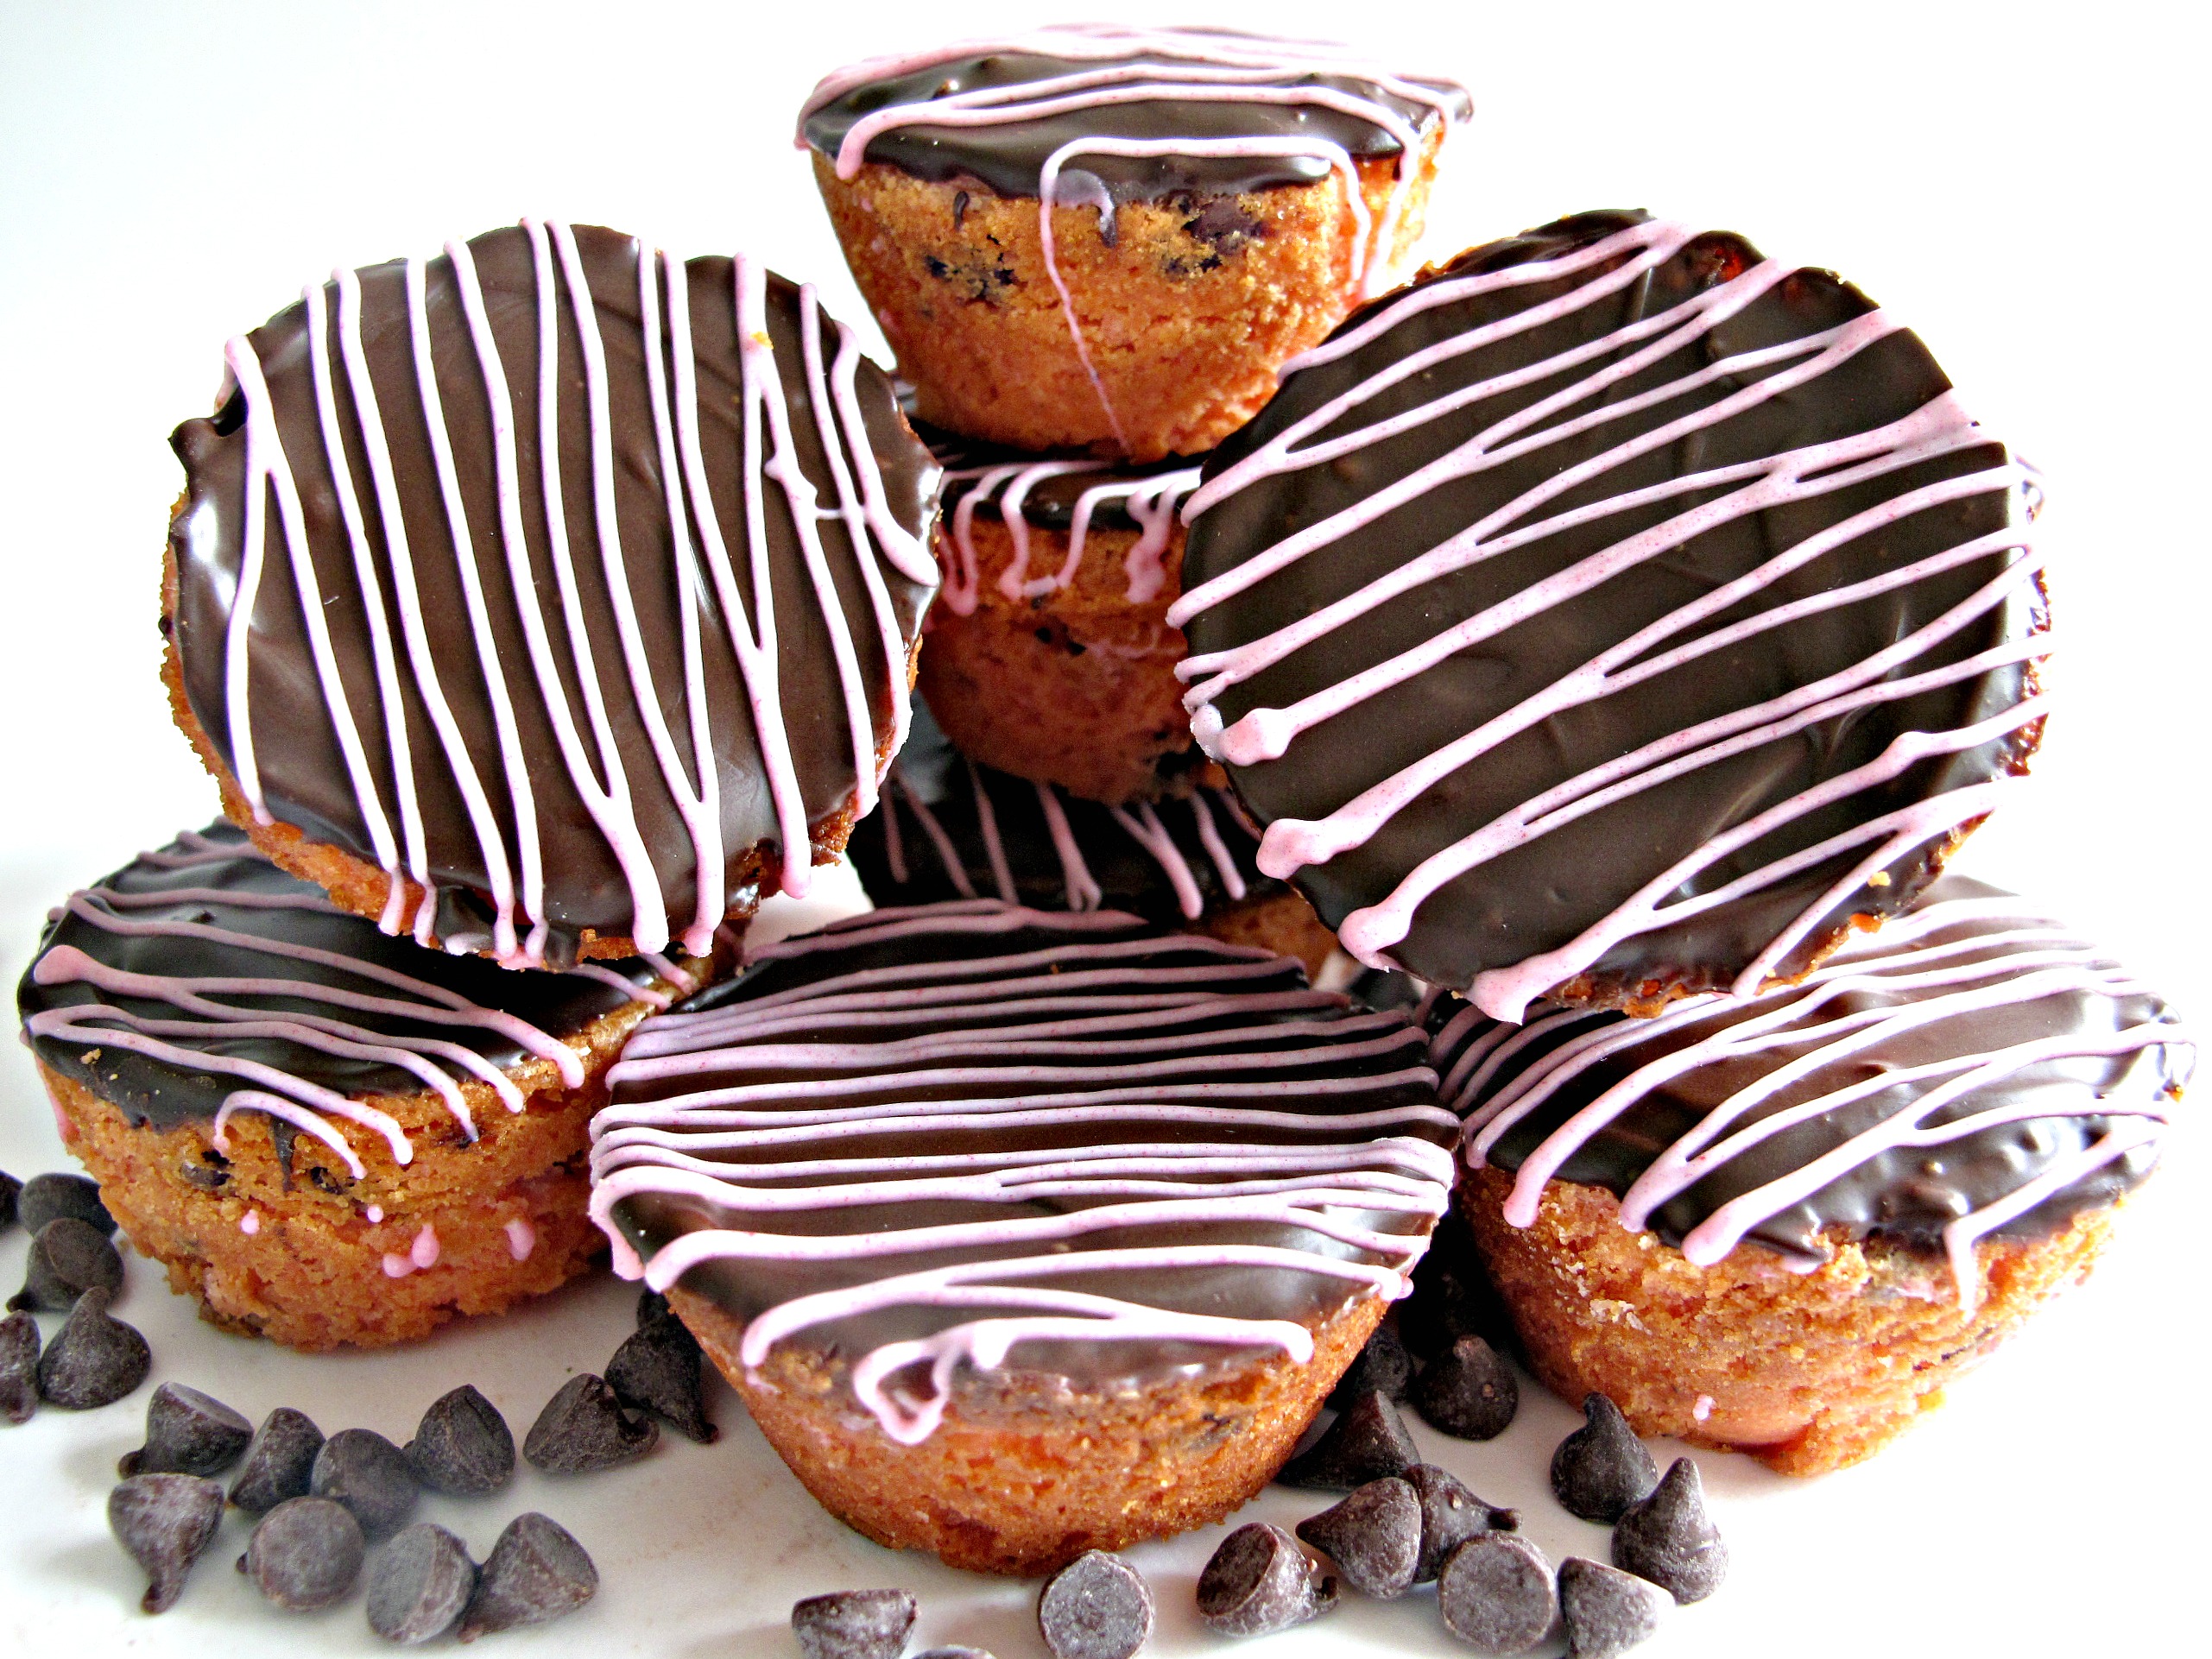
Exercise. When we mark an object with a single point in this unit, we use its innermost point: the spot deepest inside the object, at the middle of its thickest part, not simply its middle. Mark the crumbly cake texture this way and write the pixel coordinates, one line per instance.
(1025, 1473)
(1282, 923)
(1075, 687)
(1807, 1372)
(1187, 311)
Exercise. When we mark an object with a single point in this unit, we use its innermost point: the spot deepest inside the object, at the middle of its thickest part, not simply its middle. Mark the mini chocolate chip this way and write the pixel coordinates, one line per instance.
(659, 1369)
(1366, 1441)
(49, 1197)
(1467, 1392)
(1607, 1611)
(280, 1463)
(1669, 1539)
(1374, 1536)
(583, 1429)
(1450, 1515)
(1382, 1367)
(95, 1360)
(1496, 1594)
(166, 1522)
(187, 1433)
(1095, 1607)
(68, 1257)
(19, 1342)
(1260, 1581)
(371, 1476)
(536, 1573)
(1601, 1468)
(10, 1194)
(208, 1178)
(305, 1554)
(853, 1623)
(420, 1583)
(463, 1445)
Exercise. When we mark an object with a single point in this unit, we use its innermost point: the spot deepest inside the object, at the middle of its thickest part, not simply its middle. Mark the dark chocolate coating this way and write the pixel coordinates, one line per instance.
(1539, 895)
(1050, 503)
(1009, 159)
(157, 1093)
(302, 771)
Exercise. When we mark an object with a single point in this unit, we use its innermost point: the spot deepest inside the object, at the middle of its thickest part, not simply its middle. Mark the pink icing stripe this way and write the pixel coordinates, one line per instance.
(276, 1106)
(1232, 880)
(1146, 830)
(1080, 888)
(946, 854)
(895, 846)
(994, 849)
(1961, 1236)
(1150, 501)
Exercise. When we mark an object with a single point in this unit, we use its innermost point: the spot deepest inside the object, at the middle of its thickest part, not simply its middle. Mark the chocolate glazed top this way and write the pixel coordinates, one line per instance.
(641, 747)
(1290, 98)
(1613, 612)
(928, 1139)
(1972, 1069)
(200, 980)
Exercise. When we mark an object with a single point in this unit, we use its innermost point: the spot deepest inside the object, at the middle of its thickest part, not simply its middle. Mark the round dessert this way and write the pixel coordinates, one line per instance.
(1023, 1233)
(1097, 236)
(1050, 655)
(1613, 615)
(1782, 1224)
(950, 829)
(469, 595)
(326, 1134)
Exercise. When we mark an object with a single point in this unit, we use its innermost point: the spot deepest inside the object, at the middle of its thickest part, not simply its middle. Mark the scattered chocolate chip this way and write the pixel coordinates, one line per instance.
(1451, 1298)
(1601, 1468)
(95, 1360)
(68, 1257)
(1095, 1607)
(660, 1369)
(206, 1171)
(1260, 1581)
(371, 1476)
(166, 1522)
(1450, 1515)
(1467, 1391)
(1669, 1539)
(19, 1366)
(10, 1193)
(305, 1554)
(536, 1573)
(49, 1197)
(1382, 1367)
(1374, 1536)
(420, 1583)
(1496, 1595)
(280, 1463)
(853, 1625)
(584, 1428)
(463, 1445)
(187, 1433)
(1607, 1611)
(1366, 1441)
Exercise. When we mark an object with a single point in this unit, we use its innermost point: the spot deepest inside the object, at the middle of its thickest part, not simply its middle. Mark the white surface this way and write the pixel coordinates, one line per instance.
(2024, 185)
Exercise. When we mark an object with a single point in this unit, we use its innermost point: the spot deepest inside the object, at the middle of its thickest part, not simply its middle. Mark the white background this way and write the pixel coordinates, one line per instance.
(2024, 185)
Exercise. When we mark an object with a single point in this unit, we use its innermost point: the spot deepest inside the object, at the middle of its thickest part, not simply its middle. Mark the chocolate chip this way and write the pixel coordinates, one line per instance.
(280, 1463)
(1382, 1367)
(10, 1193)
(652, 1309)
(1601, 1468)
(371, 1476)
(95, 1360)
(1450, 1515)
(1366, 1441)
(660, 1369)
(306, 1554)
(1496, 1595)
(1467, 1391)
(584, 1428)
(1095, 1607)
(68, 1257)
(463, 1445)
(1451, 1298)
(49, 1197)
(420, 1583)
(1260, 1581)
(187, 1433)
(166, 1522)
(1669, 1539)
(853, 1623)
(19, 1342)
(206, 1171)
(1374, 1536)
(536, 1573)
(1607, 1611)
